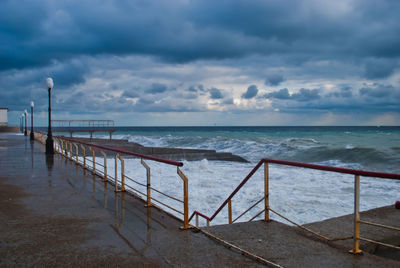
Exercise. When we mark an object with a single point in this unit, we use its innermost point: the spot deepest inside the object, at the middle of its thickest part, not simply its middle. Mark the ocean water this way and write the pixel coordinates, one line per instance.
(303, 195)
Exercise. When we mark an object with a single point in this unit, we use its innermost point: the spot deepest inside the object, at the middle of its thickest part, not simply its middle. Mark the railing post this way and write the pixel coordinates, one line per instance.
(84, 156)
(266, 191)
(230, 211)
(60, 146)
(70, 151)
(65, 145)
(94, 160)
(105, 164)
(185, 199)
(77, 153)
(356, 235)
(122, 174)
(148, 204)
(197, 220)
(116, 173)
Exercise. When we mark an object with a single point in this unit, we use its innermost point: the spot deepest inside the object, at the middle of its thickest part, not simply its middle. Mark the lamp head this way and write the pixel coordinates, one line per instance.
(49, 83)
(25, 112)
(32, 104)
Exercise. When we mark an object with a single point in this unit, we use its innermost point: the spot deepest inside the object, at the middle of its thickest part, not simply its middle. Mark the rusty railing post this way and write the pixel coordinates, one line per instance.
(70, 151)
(122, 173)
(266, 191)
(94, 160)
(105, 164)
(65, 145)
(356, 236)
(84, 156)
(185, 200)
(77, 153)
(117, 156)
(230, 211)
(116, 173)
(148, 204)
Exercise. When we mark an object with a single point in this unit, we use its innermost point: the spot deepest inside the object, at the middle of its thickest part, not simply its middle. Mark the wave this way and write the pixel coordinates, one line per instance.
(367, 152)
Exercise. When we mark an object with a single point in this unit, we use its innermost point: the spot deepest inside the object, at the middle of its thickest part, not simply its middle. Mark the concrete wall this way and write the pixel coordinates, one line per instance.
(3, 117)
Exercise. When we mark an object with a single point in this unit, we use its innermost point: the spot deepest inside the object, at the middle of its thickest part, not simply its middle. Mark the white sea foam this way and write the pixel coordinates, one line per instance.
(300, 194)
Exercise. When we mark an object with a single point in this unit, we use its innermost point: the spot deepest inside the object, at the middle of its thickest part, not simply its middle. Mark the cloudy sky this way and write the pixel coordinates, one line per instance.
(184, 62)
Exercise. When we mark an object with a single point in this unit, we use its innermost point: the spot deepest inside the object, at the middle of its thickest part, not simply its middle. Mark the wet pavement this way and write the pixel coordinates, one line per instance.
(54, 213)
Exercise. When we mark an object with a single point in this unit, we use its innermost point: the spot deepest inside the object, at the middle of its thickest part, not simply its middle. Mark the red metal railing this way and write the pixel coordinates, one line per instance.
(119, 150)
(64, 145)
(266, 161)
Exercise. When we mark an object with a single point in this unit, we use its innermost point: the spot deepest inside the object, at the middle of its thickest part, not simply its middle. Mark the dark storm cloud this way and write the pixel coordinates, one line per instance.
(379, 68)
(215, 94)
(43, 30)
(251, 92)
(130, 94)
(304, 95)
(274, 80)
(19, 87)
(370, 98)
(301, 41)
(377, 90)
(282, 94)
(157, 88)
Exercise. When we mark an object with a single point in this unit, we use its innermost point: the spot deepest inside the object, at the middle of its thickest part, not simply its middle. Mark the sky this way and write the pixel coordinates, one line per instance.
(187, 63)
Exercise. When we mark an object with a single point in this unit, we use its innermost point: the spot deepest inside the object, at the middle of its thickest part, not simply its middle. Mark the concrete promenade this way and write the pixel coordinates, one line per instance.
(54, 213)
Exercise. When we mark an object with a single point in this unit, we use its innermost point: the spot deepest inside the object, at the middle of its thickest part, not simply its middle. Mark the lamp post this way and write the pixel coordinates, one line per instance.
(26, 119)
(49, 140)
(21, 123)
(32, 135)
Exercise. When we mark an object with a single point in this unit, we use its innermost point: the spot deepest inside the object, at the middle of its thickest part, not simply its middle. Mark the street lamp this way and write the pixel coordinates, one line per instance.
(32, 135)
(26, 118)
(49, 140)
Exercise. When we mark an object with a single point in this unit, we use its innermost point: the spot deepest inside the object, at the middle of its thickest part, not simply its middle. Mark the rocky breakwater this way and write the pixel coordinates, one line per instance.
(165, 152)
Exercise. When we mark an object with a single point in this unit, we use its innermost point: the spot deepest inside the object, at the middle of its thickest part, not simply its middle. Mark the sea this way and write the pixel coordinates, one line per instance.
(302, 195)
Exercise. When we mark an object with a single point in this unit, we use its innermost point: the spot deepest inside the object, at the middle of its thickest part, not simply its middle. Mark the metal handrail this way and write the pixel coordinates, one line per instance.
(119, 150)
(355, 172)
(358, 172)
(94, 123)
(363, 173)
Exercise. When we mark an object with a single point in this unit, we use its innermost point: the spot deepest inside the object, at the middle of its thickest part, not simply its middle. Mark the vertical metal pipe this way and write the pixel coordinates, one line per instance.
(122, 174)
(266, 191)
(84, 156)
(76, 153)
(185, 199)
(148, 186)
(32, 136)
(230, 211)
(116, 173)
(356, 249)
(94, 160)
(197, 220)
(105, 164)
(70, 150)
(49, 140)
